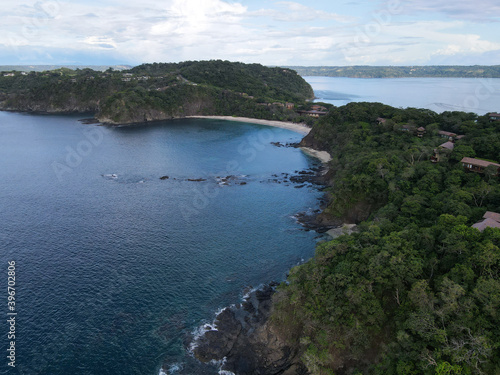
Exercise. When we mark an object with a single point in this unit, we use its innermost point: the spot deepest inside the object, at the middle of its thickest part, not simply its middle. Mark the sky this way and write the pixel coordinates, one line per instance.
(308, 33)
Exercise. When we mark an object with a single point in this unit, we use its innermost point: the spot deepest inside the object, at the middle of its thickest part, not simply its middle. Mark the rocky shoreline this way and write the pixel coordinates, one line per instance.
(242, 338)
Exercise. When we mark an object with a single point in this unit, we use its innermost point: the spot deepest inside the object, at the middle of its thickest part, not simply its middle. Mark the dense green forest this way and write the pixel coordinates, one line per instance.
(476, 71)
(416, 290)
(160, 91)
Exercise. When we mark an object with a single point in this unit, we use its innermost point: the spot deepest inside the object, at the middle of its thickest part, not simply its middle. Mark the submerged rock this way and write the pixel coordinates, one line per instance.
(89, 121)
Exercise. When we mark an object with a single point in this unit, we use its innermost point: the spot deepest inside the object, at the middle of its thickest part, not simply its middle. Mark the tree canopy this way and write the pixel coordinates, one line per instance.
(416, 290)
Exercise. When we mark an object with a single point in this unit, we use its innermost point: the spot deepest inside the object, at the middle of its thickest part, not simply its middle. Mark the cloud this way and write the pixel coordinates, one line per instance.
(396, 43)
(100, 41)
(281, 33)
(478, 10)
(289, 11)
(467, 44)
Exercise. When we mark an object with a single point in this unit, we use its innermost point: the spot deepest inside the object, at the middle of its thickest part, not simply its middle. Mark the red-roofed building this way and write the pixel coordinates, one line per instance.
(442, 149)
(446, 134)
(313, 113)
(492, 215)
(494, 116)
(491, 220)
(420, 132)
(317, 107)
(478, 165)
(450, 135)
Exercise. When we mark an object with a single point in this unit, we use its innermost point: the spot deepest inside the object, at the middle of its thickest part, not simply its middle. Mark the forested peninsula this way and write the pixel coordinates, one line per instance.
(160, 91)
(416, 289)
(428, 71)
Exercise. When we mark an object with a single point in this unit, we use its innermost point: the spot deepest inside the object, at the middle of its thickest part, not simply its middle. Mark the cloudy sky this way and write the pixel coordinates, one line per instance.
(324, 32)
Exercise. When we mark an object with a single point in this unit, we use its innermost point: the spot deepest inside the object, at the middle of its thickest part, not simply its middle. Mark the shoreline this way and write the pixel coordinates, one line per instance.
(324, 156)
(298, 128)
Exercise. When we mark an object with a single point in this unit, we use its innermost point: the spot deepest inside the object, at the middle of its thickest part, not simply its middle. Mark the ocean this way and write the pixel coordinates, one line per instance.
(114, 266)
(477, 95)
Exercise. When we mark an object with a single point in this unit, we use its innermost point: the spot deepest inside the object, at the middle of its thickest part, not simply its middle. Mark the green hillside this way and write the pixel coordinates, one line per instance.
(416, 290)
(159, 91)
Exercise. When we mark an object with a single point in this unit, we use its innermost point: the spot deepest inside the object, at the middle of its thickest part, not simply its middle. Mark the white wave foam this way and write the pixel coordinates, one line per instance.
(220, 364)
(253, 290)
(201, 330)
(172, 369)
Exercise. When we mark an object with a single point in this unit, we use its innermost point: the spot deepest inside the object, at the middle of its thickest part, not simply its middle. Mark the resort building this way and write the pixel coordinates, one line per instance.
(313, 113)
(318, 108)
(490, 220)
(450, 135)
(442, 149)
(478, 165)
(420, 132)
(494, 116)
(446, 134)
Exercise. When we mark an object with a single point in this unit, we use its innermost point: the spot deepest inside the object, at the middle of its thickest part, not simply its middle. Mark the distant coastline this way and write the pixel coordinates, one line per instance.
(431, 71)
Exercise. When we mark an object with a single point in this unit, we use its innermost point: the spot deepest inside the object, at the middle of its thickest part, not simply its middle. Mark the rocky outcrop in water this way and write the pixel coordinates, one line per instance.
(242, 336)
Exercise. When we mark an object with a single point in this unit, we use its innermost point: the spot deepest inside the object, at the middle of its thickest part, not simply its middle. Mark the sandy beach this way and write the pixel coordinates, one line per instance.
(321, 155)
(299, 128)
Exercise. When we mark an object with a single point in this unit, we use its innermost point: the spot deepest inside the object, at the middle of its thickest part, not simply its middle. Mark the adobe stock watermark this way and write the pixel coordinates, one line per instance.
(75, 155)
(484, 90)
(43, 13)
(365, 35)
(204, 195)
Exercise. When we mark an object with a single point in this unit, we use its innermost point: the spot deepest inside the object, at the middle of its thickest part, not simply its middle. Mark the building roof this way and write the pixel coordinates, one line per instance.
(448, 134)
(318, 107)
(493, 114)
(492, 215)
(421, 129)
(478, 162)
(487, 223)
(448, 145)
(314, 112)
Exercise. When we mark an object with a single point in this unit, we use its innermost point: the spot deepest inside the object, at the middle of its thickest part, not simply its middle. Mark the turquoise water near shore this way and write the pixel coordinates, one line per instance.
(115, 267)
(478, 95)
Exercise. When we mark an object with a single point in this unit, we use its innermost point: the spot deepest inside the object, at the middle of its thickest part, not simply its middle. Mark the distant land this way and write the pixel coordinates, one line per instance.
(161, 91)
(43, 68)
(437, 71)
(361, 71)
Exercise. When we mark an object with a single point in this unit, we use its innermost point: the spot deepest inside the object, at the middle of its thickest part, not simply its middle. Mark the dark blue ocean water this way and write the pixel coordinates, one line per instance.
(114, 267)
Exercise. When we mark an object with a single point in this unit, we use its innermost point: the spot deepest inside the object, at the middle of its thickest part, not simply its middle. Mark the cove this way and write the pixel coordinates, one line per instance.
(115, 266)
